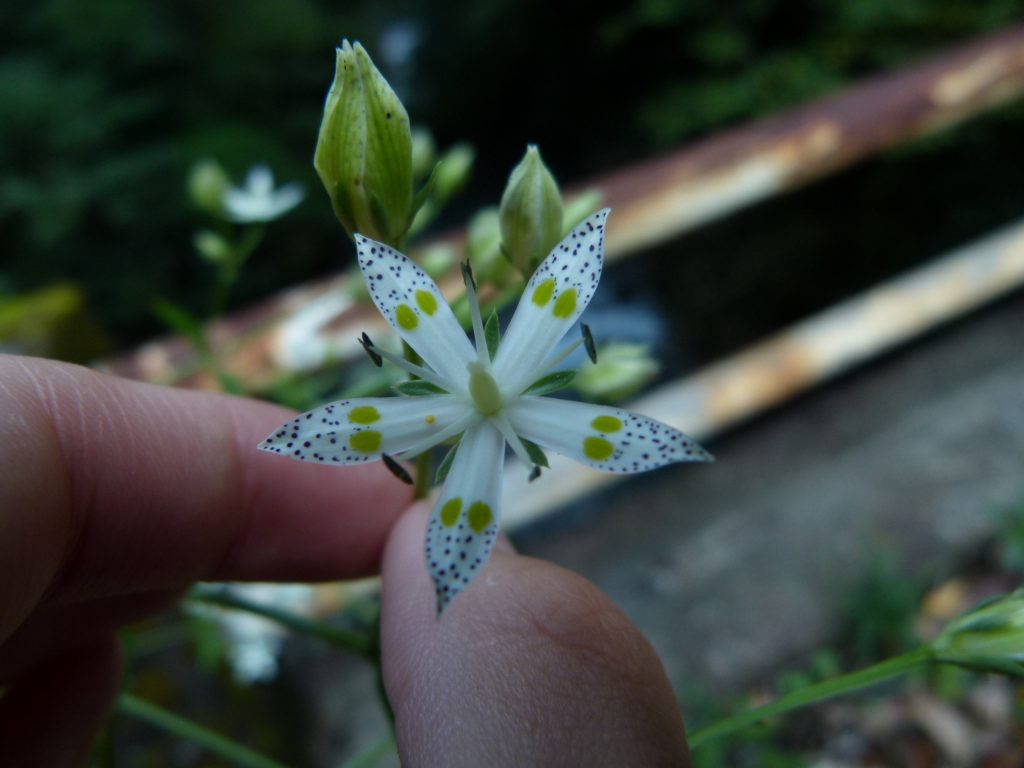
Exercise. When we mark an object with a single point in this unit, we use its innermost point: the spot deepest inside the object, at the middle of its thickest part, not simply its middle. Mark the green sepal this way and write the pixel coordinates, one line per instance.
(446, 464)
(552, 382)
(417, 388)
(536, 453)
(492, 333)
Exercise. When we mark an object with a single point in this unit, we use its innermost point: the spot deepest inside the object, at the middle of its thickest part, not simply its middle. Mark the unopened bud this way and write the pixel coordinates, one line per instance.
(424, 153)
(989, 637)
(483, 247)
(207, 183)
(531, 213)
(212, 247)
(620, 370)
(364, 151)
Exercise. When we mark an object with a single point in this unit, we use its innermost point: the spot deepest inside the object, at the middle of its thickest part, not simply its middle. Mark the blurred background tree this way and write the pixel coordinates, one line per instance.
(105, 104)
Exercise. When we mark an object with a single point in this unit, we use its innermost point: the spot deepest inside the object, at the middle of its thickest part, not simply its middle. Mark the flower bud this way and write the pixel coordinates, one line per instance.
(453, 171)
(364, 151)
(424, 153)
(989, 637)
(531, 213)
(483, 247)
(207, 183)
(620, 370)
(212, 246)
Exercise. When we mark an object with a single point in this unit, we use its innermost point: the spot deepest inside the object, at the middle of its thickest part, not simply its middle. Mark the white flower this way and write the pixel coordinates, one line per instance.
(257, 200)
(487, 401)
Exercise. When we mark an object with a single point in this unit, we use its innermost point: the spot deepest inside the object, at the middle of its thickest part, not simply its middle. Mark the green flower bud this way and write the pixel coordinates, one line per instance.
(436, 259)
(531, 213)
(448, 177)
(207, 183)
(212, 247)
(424, 153)
(483, 247)
(620, 370)
(989, 637)
(453, 172)
(364, 151)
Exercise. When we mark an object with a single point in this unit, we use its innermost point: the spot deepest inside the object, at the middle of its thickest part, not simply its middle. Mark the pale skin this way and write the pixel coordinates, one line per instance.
(115, 496)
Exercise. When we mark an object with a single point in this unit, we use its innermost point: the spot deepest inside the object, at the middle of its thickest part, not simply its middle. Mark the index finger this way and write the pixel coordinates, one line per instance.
(111, 487)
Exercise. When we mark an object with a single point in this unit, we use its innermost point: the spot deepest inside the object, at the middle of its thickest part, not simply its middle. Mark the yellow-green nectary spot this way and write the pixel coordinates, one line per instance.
(365, 442)
(405, 317)
(364, 414)
(543, 292)
(565, 304)
(606, 424)
(426, 302)
(597, 448)
(450, 512)
(479, 516)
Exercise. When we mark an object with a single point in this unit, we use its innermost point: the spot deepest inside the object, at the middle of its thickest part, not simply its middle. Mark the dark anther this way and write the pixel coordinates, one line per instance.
(588, 342)
(368, 346)
(467, 274)
(396, 469)
(534, 473)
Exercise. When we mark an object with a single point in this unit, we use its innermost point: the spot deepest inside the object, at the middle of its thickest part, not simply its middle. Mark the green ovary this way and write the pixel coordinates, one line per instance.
(479, 516)
(484, 390)
(365, 442)
(597, 448)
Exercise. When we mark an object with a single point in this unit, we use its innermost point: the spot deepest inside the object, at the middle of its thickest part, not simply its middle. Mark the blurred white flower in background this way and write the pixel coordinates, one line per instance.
(257, 200)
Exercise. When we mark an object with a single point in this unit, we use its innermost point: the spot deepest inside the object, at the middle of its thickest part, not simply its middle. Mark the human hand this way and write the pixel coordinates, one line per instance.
(115, 496)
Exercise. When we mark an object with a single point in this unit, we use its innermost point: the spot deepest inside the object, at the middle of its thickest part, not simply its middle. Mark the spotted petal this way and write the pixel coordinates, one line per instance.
(464, 522)
(605, 438)
(411, 301)
(554, 299)
(360, 430)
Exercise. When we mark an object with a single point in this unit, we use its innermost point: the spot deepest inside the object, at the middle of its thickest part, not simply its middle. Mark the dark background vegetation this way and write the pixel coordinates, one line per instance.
(104, 105)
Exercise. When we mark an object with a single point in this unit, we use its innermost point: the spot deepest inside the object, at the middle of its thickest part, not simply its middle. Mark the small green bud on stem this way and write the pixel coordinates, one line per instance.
(364, 150)
(531, 213)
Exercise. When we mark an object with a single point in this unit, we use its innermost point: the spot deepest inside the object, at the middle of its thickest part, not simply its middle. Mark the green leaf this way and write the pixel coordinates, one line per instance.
(492, 333)
(536, 454)
(446, 464)
(551, 383)
(417, 388)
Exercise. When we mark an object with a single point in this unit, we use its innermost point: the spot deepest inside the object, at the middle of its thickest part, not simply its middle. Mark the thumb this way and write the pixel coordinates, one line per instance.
(531, 665)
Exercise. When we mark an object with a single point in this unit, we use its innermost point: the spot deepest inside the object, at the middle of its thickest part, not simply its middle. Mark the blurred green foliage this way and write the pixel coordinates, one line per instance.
(106, 104)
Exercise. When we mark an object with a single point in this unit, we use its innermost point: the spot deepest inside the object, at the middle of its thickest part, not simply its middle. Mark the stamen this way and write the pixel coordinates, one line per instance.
(558, 358)
(474, 313)
(368, 346)
(588, 342)
(376, 353)
(396, 469)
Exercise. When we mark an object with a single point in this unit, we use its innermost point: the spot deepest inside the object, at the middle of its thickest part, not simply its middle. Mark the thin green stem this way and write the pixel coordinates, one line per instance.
(812, 694)
(187, 730)
(356, 642)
